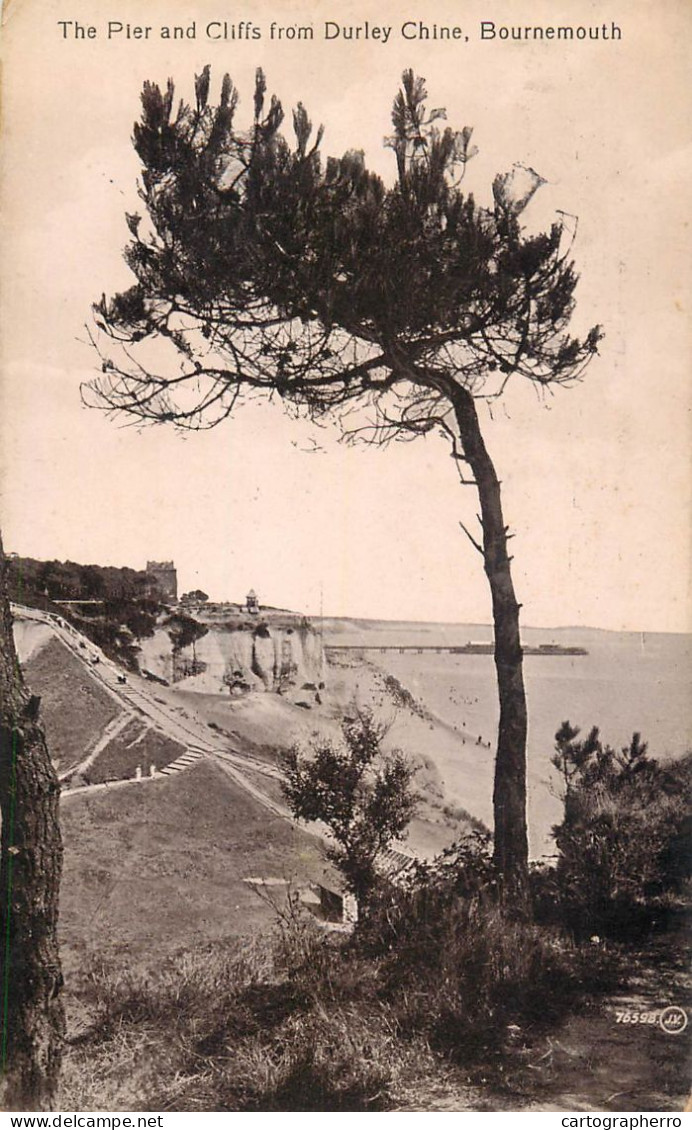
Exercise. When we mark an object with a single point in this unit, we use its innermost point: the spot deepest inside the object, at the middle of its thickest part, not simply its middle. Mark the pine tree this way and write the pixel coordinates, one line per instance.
(265, 269)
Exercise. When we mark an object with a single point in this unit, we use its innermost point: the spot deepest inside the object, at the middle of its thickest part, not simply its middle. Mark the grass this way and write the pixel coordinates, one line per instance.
(439, 992)
(439, 1002)
(152, 868)
(470, 979)
(134, 746)
(240, 1028)
(74, 707)
(303, 1020)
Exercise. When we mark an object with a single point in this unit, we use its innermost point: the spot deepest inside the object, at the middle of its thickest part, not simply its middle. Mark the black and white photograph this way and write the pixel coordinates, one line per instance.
(346, 604)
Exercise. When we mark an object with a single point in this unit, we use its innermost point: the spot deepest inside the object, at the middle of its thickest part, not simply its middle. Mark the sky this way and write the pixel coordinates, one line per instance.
(596, 479)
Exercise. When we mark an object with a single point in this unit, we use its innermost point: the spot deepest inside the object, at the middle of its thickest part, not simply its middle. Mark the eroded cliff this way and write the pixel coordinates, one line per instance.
(240, 654)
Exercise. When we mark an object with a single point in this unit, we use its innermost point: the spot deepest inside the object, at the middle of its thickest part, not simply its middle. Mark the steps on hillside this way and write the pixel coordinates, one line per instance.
(183, 762)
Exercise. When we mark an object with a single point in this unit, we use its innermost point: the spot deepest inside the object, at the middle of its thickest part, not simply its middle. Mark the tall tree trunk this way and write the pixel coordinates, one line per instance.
(32, 1020)
(509, 794)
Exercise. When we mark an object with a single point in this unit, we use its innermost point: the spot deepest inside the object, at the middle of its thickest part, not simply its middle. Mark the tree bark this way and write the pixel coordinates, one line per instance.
(509, 794)
(32, 1020)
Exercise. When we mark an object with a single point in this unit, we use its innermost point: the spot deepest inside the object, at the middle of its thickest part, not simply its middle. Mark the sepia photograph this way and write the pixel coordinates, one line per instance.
(346, 586)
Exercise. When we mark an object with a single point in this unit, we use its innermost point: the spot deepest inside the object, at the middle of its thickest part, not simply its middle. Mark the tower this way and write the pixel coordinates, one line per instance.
(166, 578)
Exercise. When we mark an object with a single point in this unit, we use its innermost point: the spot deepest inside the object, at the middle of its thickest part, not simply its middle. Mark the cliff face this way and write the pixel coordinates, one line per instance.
(237, 656)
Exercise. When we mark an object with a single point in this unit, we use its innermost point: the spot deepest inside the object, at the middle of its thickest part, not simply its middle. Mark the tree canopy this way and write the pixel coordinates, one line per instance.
(266, 269)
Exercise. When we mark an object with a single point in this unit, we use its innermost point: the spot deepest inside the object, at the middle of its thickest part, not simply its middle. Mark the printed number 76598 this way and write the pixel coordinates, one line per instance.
(625, 1017)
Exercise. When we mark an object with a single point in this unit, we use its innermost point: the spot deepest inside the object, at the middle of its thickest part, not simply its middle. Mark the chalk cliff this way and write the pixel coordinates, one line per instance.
(240, 654)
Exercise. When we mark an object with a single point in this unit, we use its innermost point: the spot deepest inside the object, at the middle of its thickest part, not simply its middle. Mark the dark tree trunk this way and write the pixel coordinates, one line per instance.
(30, 865)
(509, 795)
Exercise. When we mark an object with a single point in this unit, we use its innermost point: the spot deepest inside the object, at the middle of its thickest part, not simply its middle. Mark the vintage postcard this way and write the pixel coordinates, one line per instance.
(344, 462)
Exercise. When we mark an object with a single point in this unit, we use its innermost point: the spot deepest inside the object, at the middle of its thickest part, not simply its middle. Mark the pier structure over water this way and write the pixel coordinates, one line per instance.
(454, 649)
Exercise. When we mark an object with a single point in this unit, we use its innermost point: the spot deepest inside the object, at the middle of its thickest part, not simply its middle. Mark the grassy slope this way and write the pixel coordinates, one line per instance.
(74, 707)
(128, 750)
(154, 868)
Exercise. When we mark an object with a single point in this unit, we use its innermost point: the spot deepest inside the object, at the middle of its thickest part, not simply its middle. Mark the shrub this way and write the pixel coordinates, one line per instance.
(454, 968)
(463, 974)
(308, 1020)
(363, 795)
(623, 843)
(463, 870)
(403, 697)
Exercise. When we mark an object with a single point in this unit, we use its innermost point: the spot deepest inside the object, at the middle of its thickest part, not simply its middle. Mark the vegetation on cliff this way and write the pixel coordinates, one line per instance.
(117, 606)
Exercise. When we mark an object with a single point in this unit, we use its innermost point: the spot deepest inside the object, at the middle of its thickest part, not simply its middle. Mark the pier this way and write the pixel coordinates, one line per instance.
(454, 649)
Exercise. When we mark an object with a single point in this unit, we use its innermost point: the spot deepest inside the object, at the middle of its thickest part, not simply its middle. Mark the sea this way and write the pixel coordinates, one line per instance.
(626, 683)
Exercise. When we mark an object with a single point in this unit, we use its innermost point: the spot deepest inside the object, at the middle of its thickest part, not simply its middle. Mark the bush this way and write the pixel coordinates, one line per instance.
(467, 975)
(363, 795)
(624, 841)
(455, 968)
(463, 870)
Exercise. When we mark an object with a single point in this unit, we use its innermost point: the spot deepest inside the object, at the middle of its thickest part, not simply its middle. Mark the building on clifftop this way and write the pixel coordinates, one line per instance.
(166, 577)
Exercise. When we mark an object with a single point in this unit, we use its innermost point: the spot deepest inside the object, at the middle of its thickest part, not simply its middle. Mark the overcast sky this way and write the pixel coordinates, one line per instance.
(596, 479)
